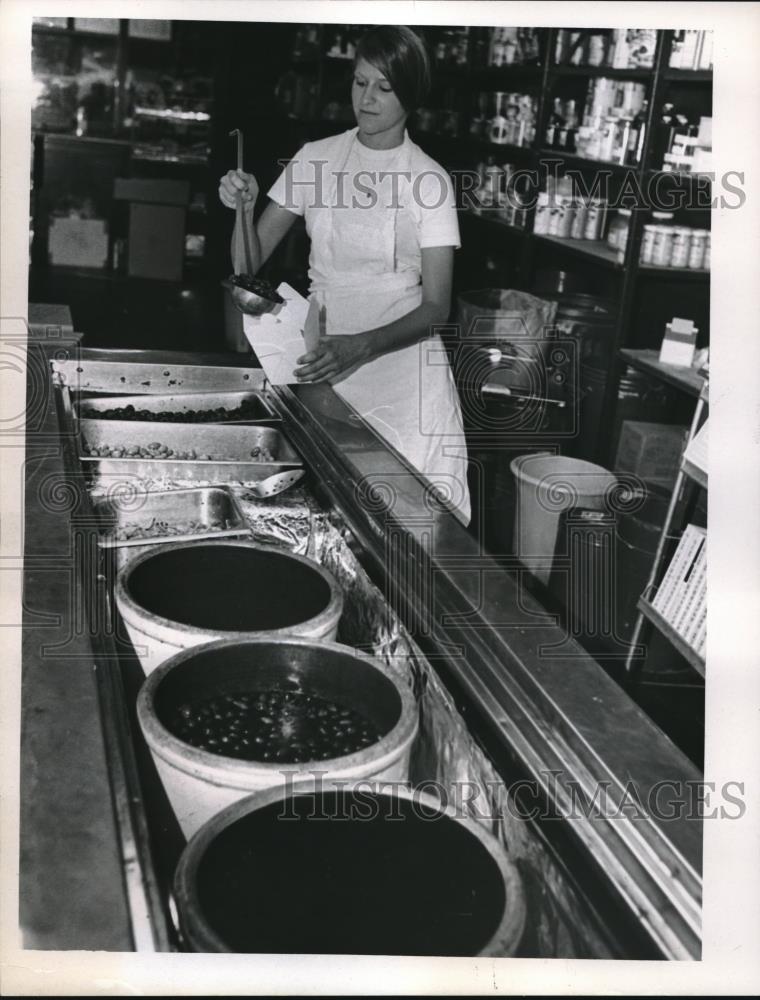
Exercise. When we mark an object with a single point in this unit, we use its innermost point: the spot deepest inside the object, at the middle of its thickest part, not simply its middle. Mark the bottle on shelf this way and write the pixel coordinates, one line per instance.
(556, 121)
(637, 137)
(671, 122)
(565, 135)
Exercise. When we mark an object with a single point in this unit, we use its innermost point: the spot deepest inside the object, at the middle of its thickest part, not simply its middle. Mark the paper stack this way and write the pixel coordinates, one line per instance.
(681, 598)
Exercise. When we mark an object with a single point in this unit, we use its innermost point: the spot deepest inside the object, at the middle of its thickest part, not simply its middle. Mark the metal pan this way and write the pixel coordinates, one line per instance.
(170, 516)
(195, 402)
(153, 379)
(231, 449)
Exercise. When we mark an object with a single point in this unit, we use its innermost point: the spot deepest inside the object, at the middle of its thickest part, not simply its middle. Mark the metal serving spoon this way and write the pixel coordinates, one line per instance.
(275, 484)
(253, 303)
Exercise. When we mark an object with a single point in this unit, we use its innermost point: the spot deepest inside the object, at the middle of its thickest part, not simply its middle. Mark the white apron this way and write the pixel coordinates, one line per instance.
(408, 395)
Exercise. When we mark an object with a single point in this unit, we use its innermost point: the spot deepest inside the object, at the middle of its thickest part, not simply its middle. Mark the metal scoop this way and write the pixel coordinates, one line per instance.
(246, 301)
(275, 484)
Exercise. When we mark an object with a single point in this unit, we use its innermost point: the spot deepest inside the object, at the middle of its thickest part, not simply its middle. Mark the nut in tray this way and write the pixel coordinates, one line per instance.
(143, 520)
(210, 453)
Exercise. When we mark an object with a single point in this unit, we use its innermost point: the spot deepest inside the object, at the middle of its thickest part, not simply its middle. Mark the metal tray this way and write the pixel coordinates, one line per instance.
(181, 403)
(206, 505)
(234, 442)
(136, 376)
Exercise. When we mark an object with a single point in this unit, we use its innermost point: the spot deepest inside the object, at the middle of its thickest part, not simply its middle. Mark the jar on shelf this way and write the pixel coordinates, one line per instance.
(565, 218)
(577, 49)
(697, 249)
(579, 220)
(617, 234)
(602, 149)
(554, 217)
(596, 211)
(621, 140)
(561, 46)
(541, 219)
(679, 252)
(596, 50)
(708, 244)
(663, 242)
(647, 244)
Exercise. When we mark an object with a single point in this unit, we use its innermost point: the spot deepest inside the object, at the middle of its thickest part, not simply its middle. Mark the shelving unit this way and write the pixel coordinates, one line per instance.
(630, 276)
(665, 628)
(159, 142)
(688, 473)
(680, 378)
(596, 250)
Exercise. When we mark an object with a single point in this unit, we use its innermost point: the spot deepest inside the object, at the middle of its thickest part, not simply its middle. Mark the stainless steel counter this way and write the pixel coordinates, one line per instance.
(542, 709)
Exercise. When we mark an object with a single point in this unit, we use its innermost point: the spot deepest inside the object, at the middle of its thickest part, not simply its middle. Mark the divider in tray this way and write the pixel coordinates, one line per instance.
(192, 408)
(211, 453)
(148, 519)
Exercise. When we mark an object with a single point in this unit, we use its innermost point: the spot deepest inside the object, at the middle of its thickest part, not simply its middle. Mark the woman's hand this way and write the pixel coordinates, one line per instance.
(333, 356)
(234, 181)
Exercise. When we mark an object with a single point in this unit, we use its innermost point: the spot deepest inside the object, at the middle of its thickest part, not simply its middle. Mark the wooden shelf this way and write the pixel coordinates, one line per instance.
(475, 145)
(671, 635)
(491, 218)
(597, 250)
(583, 163)
(682, 179)
(676, 273)
(633, 73)
(515, 73)
(649, 361)
(688, 75)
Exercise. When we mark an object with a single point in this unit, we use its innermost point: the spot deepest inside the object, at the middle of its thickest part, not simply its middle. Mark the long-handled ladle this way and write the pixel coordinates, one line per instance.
(250, 294)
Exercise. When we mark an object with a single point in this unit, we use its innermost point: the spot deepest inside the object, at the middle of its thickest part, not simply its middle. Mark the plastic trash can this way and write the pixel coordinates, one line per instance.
(547, 485)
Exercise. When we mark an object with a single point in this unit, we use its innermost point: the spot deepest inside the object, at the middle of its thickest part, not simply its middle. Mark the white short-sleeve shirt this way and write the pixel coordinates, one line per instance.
(340, 171)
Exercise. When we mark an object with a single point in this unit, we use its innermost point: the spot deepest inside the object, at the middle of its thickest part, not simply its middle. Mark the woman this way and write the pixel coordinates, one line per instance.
(382, 221)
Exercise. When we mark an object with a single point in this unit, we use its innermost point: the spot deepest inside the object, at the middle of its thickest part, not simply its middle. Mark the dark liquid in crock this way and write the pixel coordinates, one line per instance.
(377, 886)
(229, 588)
(275, 726)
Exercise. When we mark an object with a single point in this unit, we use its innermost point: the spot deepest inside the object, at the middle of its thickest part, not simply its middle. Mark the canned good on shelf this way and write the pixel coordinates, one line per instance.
(679, 253)
(697, 249)
(647, 244)
(541, 220)
(565, 222)
(554, 220)
(706, 260)
(596, 50)
(579, 220)
(663, 241)
(607, 141)
(595, 216)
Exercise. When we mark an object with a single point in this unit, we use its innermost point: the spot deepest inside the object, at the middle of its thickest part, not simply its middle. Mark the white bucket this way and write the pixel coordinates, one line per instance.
(199, 783)
(547, 486)
(164, 597)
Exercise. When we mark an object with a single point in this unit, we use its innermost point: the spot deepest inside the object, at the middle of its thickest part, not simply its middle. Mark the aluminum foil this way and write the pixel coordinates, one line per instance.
(445, 758)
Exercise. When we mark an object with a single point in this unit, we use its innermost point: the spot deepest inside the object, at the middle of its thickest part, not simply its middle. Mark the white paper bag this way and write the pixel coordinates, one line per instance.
(278, 337)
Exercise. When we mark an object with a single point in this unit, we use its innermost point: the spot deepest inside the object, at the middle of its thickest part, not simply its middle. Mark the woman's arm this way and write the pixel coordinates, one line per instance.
(338, 354)
(272, 226)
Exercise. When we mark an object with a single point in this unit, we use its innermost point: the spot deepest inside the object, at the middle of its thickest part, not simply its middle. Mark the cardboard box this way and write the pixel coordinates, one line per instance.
(651, 451)
(679, 343)
(78, 242)
(157, 219)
